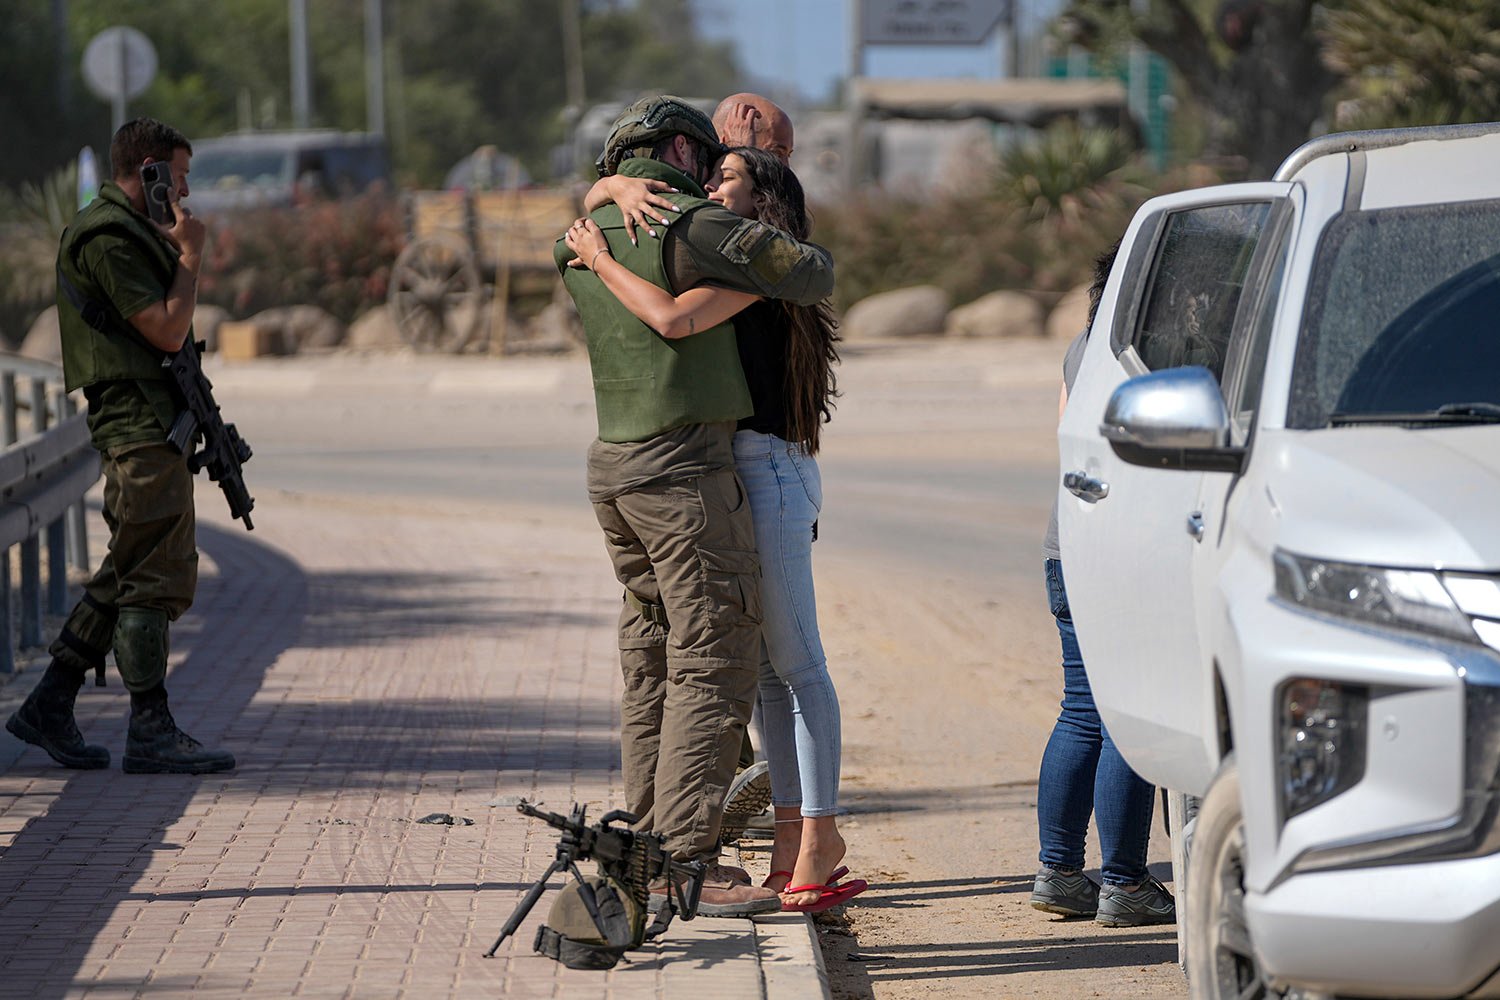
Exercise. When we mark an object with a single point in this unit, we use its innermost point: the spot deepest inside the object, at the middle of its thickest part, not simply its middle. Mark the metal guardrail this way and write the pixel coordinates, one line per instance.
(43, 479)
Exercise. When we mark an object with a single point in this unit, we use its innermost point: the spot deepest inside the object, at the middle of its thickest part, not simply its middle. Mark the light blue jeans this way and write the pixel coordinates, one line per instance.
(799, 708)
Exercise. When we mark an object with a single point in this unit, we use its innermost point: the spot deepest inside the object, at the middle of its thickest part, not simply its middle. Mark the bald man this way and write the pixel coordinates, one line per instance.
(752, 120)
(743, 119)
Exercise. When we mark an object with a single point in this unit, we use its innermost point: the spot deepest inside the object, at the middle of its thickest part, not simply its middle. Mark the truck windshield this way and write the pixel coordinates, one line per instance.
(1403, 320)
(218, 169)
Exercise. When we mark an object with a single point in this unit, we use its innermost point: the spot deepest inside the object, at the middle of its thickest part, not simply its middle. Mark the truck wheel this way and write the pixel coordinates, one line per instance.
(1220, 957)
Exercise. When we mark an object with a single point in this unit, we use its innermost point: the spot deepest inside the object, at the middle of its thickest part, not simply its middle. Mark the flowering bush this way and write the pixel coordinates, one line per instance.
(336, 255)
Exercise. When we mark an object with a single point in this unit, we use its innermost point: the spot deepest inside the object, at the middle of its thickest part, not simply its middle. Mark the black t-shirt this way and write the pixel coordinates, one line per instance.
(762, 330)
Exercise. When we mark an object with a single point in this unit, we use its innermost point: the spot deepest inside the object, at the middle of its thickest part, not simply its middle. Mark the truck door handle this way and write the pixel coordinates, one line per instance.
(1195, 525)
(1086, 487)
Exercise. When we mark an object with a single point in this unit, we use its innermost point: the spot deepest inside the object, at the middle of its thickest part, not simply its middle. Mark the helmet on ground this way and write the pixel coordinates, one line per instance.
(575, 938)
(649, 120)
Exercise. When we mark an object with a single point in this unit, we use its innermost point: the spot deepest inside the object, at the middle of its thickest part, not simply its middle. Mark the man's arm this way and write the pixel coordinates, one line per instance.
(713, 244)
(166, 322)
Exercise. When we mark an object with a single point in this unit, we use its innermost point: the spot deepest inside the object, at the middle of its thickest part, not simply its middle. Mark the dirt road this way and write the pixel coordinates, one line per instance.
(946, 662)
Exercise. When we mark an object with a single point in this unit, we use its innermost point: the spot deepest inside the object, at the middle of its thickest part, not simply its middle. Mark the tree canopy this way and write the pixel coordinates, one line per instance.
(1264, 75)
(459, 73)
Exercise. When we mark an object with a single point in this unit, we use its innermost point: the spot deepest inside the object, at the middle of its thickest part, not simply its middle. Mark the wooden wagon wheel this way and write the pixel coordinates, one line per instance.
(436, 299)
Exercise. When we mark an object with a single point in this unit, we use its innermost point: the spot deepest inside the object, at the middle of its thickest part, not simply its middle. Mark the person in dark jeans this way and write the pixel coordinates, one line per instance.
(1082, 773)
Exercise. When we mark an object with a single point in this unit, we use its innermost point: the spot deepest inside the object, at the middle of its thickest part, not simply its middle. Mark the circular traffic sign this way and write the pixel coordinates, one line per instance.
(119, 63)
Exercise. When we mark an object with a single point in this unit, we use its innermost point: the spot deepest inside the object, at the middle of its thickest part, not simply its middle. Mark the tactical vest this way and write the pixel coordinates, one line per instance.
(118, 351)
(645, 384)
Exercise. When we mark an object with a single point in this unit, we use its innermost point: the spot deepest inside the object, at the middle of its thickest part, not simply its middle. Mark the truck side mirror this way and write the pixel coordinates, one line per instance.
(1175, 418)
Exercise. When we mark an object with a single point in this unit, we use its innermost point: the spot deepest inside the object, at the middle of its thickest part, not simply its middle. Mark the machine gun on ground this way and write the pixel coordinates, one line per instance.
(625, 857)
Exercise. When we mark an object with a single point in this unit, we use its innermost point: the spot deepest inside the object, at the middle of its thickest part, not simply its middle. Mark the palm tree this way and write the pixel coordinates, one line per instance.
(1415, 62)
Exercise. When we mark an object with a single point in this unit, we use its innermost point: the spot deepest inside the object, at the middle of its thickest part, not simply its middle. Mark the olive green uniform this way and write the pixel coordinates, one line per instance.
(675, 516)
(113, 256)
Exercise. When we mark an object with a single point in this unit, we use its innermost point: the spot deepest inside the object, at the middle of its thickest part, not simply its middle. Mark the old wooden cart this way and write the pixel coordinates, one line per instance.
(470, 258)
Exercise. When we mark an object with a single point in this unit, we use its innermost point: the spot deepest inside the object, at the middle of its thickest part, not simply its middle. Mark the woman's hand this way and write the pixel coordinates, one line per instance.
(638, 198)
(586, 239)
(741, 126)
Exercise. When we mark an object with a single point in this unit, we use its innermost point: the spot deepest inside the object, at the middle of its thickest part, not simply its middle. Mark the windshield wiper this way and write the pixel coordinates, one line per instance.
(1448, 413)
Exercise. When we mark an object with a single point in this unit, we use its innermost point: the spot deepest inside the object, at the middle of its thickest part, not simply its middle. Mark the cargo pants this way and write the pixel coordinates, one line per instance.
(689, 634)
(152, 561)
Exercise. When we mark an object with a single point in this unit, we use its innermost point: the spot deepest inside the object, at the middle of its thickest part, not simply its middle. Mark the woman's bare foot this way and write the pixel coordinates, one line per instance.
(821, 851)
(785, 848)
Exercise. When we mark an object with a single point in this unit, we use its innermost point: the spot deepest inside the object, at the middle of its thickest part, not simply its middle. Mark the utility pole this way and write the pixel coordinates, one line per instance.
(301, 99)
(374, 68)
(852, 102)
(573, 55)
(64, 56)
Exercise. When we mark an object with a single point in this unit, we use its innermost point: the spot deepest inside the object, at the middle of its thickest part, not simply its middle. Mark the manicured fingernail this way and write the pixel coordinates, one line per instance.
(652, 232)
(632, 240)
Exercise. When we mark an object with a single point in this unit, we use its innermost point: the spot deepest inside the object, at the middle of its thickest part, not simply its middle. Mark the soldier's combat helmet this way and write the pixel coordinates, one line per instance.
(649, 120)
(579, 939)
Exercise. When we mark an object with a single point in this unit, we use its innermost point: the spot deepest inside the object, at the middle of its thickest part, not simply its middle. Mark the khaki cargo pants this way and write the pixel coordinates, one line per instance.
(689, 650)
(153, 557)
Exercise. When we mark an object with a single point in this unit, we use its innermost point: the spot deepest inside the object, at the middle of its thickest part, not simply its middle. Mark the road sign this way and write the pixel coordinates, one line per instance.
(931, 22)
(119, 62)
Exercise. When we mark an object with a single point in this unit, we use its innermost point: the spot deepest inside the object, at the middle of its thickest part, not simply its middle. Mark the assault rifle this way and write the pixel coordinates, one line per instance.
(633, 859)
(224, 451)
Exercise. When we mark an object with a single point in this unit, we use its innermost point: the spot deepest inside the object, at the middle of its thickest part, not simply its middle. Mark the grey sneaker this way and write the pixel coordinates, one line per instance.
(1071, 895)
(749, 794)
(1147, 903)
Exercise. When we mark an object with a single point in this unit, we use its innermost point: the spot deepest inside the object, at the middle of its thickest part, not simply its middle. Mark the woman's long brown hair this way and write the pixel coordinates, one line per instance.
(811, 385)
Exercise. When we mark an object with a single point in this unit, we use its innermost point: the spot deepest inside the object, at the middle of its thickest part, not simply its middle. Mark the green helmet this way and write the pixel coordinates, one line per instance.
(573, 937)
(647, 122)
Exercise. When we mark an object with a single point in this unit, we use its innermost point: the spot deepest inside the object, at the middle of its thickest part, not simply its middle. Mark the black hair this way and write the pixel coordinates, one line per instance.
(811, 385)
(1103, 264)
(140, 138)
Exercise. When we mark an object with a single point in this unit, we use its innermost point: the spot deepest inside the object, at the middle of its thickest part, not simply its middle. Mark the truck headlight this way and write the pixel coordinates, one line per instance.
(1321, 738)
(1414, 600)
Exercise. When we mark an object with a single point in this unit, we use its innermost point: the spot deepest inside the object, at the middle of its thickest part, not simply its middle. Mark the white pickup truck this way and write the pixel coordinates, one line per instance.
(1280, 524)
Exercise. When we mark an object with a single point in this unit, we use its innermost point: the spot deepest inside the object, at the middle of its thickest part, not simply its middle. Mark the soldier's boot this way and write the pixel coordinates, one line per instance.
(45, 719)
(153, 743)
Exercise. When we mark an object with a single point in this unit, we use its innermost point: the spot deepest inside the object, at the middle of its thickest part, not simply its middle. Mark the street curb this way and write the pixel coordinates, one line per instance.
(791, 959)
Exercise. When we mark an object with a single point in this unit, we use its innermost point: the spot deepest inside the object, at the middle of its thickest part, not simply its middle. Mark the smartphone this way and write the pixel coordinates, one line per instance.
(156, 182)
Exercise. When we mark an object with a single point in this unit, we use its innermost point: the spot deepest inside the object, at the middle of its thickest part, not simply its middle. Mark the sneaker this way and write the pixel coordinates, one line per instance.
(749, 794)
(1070, 894)
(1147, 903)
(723, 899)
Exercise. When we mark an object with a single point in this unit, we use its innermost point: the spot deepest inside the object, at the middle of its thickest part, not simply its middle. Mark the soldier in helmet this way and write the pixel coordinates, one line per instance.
(662, 481)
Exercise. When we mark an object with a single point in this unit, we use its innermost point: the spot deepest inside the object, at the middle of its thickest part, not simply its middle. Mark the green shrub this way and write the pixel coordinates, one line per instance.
(336, 255)
(31, 223)
(1051, 207)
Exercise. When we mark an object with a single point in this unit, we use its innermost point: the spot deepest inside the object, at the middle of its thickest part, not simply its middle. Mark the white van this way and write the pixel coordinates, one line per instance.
(263, 169)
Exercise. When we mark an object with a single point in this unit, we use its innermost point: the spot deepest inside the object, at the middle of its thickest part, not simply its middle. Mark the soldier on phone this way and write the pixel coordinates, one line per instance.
(136, 279)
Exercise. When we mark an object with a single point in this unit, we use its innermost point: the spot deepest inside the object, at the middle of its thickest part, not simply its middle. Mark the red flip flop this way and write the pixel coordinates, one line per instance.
(829, 896)
(833, 880)
(767, 883)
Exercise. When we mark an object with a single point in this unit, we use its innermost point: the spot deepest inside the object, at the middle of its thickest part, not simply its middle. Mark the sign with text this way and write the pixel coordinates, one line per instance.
(931, 22)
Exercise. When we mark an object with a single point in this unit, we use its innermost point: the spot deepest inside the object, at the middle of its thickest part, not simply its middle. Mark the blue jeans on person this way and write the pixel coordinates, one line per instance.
(1083, 773)
(799, 708)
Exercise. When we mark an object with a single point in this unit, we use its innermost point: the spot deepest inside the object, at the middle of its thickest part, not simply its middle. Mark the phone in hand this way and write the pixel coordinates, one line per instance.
(156, 183)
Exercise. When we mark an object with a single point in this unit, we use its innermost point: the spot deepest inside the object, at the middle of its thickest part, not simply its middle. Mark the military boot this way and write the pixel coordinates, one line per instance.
(45, 719)
(153, 743)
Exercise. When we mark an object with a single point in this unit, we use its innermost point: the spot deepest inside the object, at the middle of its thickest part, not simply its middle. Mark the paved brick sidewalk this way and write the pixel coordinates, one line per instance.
(369, 666)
